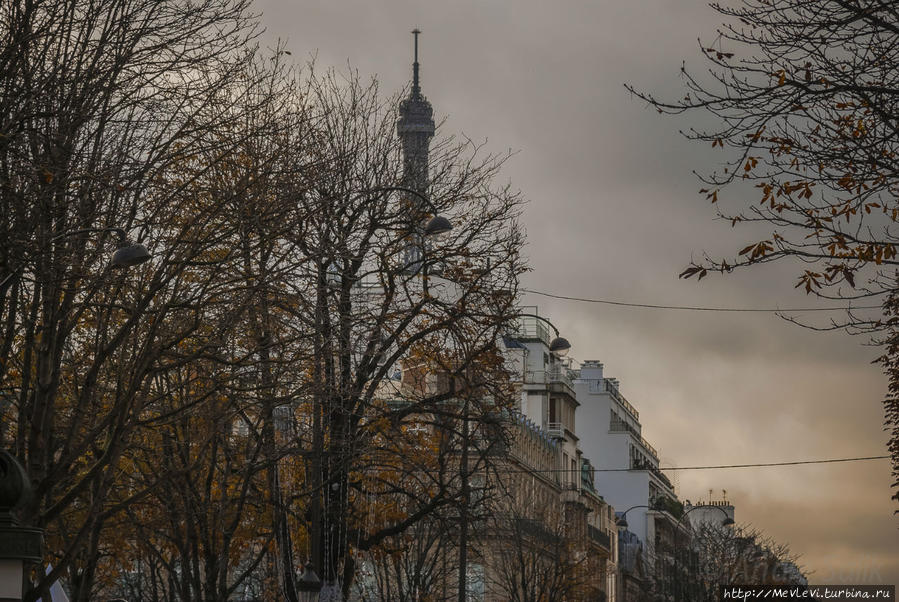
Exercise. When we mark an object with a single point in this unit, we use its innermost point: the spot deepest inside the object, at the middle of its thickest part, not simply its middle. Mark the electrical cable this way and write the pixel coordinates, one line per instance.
(696, 308)
(712, 467)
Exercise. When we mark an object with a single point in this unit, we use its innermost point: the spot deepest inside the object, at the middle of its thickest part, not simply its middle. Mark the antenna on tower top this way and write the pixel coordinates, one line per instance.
(415, 88)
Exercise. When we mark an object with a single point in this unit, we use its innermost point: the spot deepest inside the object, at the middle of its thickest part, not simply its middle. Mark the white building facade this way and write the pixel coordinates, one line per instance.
(615, 436)
(549, 401)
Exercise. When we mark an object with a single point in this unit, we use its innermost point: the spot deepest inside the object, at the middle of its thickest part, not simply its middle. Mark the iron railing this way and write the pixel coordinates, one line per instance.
(616, 425)
(612, 389)
(556, 374)
(599, 536)
(555, 429)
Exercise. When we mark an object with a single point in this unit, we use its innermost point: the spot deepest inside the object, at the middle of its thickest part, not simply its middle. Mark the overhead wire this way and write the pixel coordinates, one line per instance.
(696, 308)
(710, 467)
(705, 467)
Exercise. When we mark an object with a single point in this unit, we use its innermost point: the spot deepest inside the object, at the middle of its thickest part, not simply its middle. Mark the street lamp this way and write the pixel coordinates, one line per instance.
(727, 522)
(621, 523)
(127, 253)
(309, 584)
(559, 346)
(19, 544)
(437, 226)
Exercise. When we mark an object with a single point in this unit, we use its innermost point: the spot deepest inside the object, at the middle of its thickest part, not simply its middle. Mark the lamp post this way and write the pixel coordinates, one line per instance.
(20, 545)
(127, 253)
(559, 347)
(309, 584)
(727, 522)
(621, 523)
(314, 575)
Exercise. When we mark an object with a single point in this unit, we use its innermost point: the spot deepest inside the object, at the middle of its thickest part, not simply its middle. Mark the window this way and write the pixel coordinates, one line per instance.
(474, 582)
(240, 427)
(283, 419)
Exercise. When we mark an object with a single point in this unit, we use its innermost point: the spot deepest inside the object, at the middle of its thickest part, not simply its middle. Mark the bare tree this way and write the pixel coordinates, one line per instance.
(414, 566)
(281, 286)
(233, 429)
(372, 307)
(715, 556)
(105, 109)
(533, 557)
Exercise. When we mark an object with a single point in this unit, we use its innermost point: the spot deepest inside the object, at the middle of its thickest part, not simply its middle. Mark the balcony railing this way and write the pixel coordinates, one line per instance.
(609, 387)
(560, 374)
(600, 537)
(620, 426)
(556, 374)
(534, 528)
(616, 425)
(652, 451)
(555, 429)
(530, 328)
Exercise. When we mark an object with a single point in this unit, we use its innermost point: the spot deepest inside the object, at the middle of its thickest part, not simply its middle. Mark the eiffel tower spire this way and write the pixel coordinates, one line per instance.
(415, 128)
(416, 89)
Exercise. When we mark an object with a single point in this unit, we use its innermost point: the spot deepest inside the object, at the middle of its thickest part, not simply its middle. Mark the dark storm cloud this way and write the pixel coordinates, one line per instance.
(615, 213)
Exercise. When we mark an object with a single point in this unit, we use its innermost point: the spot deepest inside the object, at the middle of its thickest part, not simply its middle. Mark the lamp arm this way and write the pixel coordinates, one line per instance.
(7, 280)
(637, 506)
(722, 510)
(541, 318)
(415, 193)
(121, 233)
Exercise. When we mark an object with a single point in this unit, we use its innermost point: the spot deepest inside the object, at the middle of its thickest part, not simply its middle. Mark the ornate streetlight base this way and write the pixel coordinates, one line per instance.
(18, 545)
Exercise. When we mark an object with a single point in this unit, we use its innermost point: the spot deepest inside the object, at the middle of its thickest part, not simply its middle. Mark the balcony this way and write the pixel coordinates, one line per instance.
(600, 537)
(556, 374)
(652, 451)
(557, 380)
(530, 527)
(620, 426)
(607, 386)
(532, 329)
(570, 495)
(555, 429)
(616, 425)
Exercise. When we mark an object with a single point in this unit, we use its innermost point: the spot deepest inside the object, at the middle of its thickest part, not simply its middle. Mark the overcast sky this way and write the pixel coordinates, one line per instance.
(614, 213)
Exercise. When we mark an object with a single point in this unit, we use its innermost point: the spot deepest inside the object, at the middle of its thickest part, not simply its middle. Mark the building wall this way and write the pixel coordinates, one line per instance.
(549, 504)
(612, 431)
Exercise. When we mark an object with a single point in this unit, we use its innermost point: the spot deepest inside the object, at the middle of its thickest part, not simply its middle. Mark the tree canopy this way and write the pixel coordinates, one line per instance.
(187, 422)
